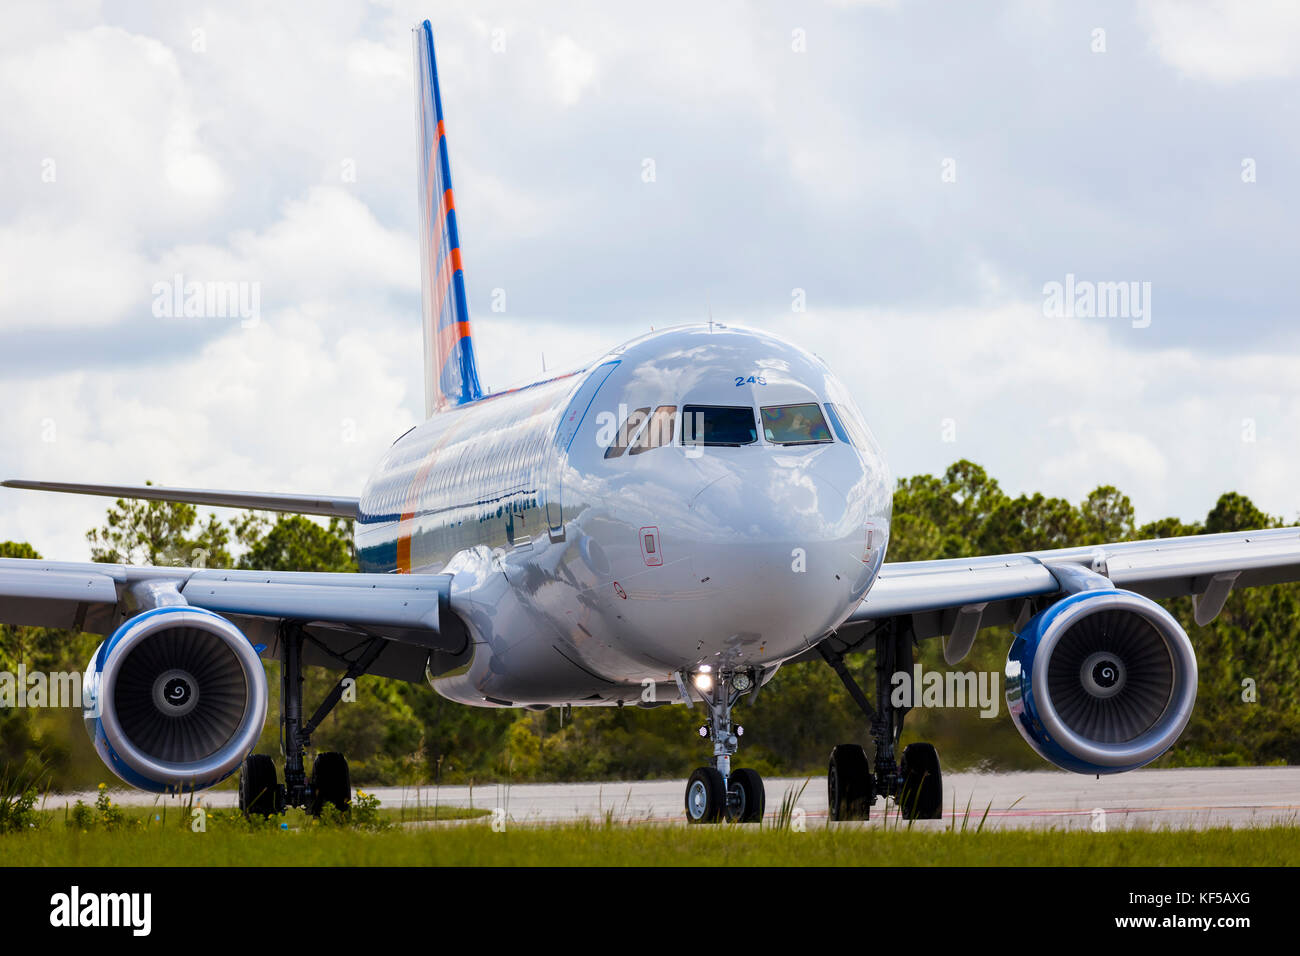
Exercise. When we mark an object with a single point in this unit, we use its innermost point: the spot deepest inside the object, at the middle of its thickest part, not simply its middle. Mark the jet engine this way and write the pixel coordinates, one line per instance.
(175, 699)
(1102, 681)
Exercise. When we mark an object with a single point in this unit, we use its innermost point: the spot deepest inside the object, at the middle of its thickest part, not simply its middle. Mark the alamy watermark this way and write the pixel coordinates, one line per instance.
(175, 298)
(75, 908)
(40, 688)
(920, 688)
(1085, 299)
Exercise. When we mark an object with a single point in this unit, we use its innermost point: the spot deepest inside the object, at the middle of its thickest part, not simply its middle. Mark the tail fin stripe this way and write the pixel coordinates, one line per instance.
(445, 277)
(451, 334)
(446, 206)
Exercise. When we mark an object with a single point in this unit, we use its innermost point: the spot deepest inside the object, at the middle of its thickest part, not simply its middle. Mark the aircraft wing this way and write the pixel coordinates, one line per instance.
(340, 610)
(330, 506)
(954, 598)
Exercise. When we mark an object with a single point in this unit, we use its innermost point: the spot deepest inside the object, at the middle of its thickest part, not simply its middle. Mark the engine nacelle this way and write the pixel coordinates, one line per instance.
(175, 699)
(1102, 681)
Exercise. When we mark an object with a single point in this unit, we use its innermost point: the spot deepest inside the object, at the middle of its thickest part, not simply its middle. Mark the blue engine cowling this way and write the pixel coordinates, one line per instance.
(1102, 681)
(175, 699)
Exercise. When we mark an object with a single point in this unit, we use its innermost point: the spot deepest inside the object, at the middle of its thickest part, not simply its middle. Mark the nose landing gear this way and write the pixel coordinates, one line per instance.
(716, 793)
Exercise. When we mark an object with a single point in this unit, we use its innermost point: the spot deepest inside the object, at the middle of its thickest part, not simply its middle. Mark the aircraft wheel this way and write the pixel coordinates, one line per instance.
(751, 798)
(850, 784)
(330, 783)
(259, 787)
(922, 795)
(706, 796)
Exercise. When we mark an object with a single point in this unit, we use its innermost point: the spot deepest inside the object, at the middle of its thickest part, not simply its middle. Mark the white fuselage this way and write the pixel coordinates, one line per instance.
(586, 572)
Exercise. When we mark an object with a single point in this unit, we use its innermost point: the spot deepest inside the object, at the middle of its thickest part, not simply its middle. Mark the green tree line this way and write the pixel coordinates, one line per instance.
(1247, 711)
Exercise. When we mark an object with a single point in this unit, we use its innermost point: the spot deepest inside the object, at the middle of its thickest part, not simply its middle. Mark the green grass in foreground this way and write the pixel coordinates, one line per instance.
(57, 817)
(231, 843)
(427, 812)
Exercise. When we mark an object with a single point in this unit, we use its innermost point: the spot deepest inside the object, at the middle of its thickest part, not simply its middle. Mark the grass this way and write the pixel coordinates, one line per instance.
(789, 801)
(21, 790)
(229, 841)
(393, 815)
(427, 812)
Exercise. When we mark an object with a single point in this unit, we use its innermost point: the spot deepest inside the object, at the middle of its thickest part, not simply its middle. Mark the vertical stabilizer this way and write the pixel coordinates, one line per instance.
(450, 375)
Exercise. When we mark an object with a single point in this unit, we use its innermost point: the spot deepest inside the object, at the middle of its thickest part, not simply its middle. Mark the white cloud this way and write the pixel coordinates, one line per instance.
(1129, 458)
(572, 69)
(325, 246)
(106, 106)
(329, 243)
(1061, 406)
(1225, 41)
(280, 407)
(502, 208)
(368, 58)
(66, 274)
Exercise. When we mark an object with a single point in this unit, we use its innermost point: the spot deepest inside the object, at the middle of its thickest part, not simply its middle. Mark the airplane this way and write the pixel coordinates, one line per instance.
(669, 524)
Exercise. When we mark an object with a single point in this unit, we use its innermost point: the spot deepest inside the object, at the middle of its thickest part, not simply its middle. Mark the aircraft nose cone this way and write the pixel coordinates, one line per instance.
(772, 504)
(783, 549)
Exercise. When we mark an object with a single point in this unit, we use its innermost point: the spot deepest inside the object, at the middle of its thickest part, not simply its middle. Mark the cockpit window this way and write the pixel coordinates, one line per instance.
(794, 424)
(841, 432)
(846, 425)
(626, 432)
(718, 425)
(659, 431)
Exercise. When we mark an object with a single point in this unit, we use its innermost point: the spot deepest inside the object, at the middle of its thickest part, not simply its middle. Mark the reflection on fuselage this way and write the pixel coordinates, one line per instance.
(606, 569)
(468, 476)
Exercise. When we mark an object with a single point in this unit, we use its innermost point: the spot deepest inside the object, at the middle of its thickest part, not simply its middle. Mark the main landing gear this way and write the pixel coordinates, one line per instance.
(914, 781)
(716, 793)
(330, 784)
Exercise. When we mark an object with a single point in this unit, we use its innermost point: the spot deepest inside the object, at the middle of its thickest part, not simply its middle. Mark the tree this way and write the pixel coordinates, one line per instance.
(1029, 524)
(296, 543)
(914, 538)
(160, 533)
(1234, 512)
(18, 549)
(1105, 515)
(974, 496)
(943, 517)
(1168, 528)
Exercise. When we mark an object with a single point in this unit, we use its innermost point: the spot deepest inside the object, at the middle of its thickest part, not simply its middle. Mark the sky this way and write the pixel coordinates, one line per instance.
(896, 186)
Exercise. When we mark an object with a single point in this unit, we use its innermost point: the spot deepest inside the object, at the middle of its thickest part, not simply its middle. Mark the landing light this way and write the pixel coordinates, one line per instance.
(741, 682)
(704, 682)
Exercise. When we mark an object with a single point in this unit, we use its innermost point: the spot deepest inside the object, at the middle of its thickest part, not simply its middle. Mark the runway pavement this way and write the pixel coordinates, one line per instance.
(1144, 799)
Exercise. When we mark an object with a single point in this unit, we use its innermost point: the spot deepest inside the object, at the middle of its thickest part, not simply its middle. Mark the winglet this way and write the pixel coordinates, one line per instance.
(450, 374)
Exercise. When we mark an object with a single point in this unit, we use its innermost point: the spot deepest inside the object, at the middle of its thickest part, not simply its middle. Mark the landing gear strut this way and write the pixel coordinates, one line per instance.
(914, 782)
(716, 793)
(330, 783)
